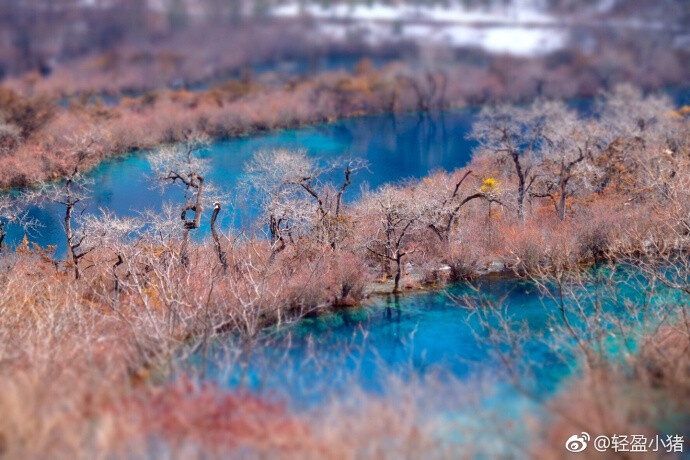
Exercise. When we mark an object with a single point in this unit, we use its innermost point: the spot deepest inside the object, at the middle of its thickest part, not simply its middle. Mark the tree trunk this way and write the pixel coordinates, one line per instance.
(398, 273)
(521, 186)
(198, 183)
(561, 203)
(222, 257)
(184, 249)
(335, 226)
(70, 236)
(273, 229)
(198, 206)
(389, 246)
(120, 261)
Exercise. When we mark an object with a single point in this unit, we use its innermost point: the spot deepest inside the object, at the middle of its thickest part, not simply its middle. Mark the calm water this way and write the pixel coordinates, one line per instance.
(411, 336)
(429, 346)
(397, 147)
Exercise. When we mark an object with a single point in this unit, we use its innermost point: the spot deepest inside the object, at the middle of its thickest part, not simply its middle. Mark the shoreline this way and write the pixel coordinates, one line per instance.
(257, 131)
(239, 108)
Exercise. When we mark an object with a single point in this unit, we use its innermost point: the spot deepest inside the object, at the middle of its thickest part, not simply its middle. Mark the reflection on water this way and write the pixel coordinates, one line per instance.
(444, 338)
(397, 147)
(411, 336)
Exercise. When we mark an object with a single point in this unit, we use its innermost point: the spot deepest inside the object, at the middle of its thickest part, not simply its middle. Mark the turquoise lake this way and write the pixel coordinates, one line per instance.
(397, 147)
(435, 347)
(338, 354)
(409, 336)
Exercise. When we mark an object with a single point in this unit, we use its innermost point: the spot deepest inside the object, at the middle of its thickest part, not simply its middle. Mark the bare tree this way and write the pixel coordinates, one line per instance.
(642, 141)
(429, 90)
(628, 114)
(117, 237)
(294, 197)
(332, 214)
(443, 201)
(13, 211)
(179, 164)
(275, 177)
(514, 134)
(72, 191)
(395, 215)
(222, 255)
(566, 156)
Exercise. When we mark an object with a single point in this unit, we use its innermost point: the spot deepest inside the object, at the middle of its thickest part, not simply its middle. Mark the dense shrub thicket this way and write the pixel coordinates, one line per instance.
(86, 340)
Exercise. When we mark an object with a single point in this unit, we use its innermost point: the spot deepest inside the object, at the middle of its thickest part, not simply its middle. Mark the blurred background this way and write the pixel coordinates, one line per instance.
(109, 48)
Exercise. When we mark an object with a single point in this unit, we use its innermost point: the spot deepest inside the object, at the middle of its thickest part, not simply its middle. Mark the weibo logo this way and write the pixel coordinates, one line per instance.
(577, 443)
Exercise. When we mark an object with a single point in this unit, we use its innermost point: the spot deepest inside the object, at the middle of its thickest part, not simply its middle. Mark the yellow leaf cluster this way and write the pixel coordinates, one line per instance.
(489, 185)
(680, 113)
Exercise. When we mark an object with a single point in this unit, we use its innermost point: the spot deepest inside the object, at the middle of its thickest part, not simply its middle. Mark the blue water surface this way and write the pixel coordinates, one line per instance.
(397, 147)
(431, 334)
(445, 335)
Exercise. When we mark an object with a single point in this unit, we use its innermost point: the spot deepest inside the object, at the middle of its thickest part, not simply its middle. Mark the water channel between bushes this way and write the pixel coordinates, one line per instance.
(389, 342)
(397, 147)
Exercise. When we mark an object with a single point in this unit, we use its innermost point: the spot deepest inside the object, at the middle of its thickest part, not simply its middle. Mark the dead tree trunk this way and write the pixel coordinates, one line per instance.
(562, 198)
(116, 279)
(399, 254)
(70, 237)
(521, 186)
(184, 248)
(338, 207)
(197, 182)
(222, 256)
(388, 250)
(72, 243)
(398, 272)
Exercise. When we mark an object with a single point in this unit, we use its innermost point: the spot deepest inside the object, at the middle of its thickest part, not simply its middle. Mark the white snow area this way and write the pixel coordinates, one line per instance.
(521, 40)
(520, 29)
(520, 12)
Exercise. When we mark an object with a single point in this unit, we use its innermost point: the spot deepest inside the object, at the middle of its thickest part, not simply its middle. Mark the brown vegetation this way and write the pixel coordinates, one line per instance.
(104, 326)
(38, 115)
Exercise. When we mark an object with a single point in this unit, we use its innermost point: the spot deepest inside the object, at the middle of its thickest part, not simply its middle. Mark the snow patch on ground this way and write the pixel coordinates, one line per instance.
(520, 30)
(516, 40)
(519, 13)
